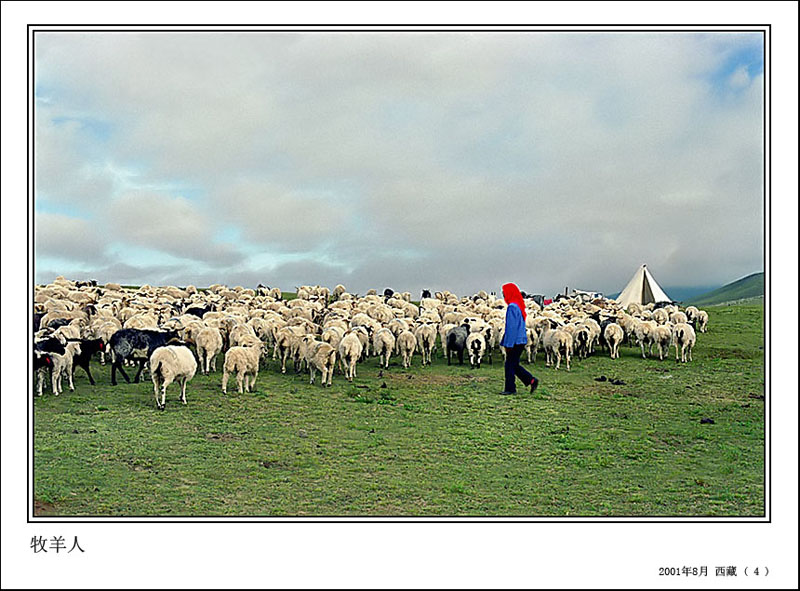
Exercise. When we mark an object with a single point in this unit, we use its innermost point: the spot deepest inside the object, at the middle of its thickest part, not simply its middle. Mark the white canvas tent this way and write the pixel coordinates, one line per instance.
(642, 289)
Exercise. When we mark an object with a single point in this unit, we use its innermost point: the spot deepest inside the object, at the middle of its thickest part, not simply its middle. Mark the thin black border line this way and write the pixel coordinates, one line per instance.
(767, 124)
(30, 285)
(766, 169)
(485, 26)
(510, 30)
(387, 519)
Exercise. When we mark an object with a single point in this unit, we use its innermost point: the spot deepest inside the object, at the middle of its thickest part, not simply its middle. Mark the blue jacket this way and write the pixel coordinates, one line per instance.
(515, 327)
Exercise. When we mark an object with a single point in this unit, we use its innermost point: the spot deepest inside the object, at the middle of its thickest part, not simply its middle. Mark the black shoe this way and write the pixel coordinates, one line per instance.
(534, 385)
(506, 393)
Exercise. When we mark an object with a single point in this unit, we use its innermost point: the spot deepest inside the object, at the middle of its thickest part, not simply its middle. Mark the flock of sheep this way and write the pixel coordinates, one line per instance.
(158, 326)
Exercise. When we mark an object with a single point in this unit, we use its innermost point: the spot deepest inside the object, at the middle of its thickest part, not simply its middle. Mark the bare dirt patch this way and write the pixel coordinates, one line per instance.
(222, 437)
(277, 464)
(43, 508)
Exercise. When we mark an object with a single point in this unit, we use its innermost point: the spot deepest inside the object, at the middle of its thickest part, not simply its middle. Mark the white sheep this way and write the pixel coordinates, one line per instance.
(443, 330)
(241, 333)
(333, 335)
(321, 356)
(143, 321)
(532, 346)
(103, 329)
(678, 318)
(169, 364)
(61, 366)
(406, 344)
(661, 316)
(498, 328)
(634, 309)
(426, 340)
(663, 337)
(209, 344)
(383, 344)
(338, 319)
(683, 337)
(628, 324)
(645, 334)
(370, 326)
(594, 332)
(397, 326)
(613, 334)
(190, 330)
(243, 360)
(67, 332)
(381, 313)
(65, 315)
(555, 340)
(362, 333)
(350, 350)
(287, 343)
(262, 327)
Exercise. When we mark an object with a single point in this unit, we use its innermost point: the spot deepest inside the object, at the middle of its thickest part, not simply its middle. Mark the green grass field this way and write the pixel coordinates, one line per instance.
(434, 441)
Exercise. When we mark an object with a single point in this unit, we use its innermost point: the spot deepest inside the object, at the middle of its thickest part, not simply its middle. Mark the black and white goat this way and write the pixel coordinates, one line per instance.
(51, 355)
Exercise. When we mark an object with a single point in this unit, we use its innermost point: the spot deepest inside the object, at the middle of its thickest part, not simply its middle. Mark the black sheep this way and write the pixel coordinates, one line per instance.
(457, 341)
(138, 345)
(50, 345)
(42, 360)
(57, 323)
(44, 350)
(88, 348)
(37, 320)
(198, 311)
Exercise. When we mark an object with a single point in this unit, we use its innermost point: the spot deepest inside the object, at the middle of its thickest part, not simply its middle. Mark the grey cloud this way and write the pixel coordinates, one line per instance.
(174, 225)
(420, 158)
(283, 217)
(67, 172)
(67, 237)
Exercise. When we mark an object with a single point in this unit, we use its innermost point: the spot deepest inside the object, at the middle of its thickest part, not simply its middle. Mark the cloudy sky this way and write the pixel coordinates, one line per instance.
(407, 160)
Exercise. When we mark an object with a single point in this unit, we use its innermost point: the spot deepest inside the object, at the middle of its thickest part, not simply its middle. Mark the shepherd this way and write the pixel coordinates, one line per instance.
(514, 341)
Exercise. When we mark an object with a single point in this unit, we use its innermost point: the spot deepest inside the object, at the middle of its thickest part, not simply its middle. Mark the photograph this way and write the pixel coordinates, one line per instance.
(424, 305)
(399, 273)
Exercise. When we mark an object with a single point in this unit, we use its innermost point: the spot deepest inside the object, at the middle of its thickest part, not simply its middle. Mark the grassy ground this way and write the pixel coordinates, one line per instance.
(434, 441)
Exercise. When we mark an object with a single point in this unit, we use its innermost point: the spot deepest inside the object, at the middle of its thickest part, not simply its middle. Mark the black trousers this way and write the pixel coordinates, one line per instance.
(513, 368)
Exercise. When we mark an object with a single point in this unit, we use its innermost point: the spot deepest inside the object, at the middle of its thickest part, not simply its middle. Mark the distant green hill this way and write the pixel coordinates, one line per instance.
(747, 287)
